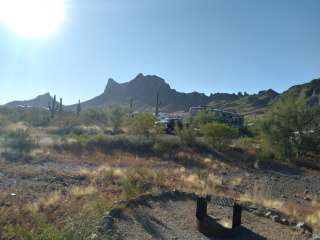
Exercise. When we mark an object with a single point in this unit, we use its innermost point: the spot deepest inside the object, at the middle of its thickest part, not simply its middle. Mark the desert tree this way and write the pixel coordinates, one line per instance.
(291, 130)
(116, 119)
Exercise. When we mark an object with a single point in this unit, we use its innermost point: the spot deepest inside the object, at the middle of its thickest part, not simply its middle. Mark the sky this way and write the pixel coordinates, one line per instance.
(195, 45)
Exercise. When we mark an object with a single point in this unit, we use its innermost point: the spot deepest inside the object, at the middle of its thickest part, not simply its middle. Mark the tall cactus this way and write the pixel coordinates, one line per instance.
(60, 106)
(53, 107)
(131, 108)
(157, 106)
(79, 108)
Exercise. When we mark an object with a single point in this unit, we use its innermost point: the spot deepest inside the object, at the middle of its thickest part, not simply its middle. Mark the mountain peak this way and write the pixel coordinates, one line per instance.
(140, 75)
(45, 95)
(151, 80)
(111, 83)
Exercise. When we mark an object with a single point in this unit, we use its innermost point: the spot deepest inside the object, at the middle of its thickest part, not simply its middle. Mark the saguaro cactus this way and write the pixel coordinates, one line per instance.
(53, 107)
(131, 108)
(60, 106)
(79, 108)
(157, 105)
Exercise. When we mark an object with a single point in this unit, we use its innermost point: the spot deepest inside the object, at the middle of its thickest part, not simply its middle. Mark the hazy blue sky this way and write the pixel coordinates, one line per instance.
(203, 45)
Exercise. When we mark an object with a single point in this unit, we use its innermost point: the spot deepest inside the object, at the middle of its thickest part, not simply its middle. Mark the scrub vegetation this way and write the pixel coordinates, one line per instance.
(61, 174)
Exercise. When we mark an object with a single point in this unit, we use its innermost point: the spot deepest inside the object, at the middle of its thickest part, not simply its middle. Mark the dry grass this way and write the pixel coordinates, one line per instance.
(83, 191)
(309, 214)
(119, 176)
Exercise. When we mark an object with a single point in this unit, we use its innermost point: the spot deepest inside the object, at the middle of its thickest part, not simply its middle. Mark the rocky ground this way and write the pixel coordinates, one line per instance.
(172, 216)
(280, 188)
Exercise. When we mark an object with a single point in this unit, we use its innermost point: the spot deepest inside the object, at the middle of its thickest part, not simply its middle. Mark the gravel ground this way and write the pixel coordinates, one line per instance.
(174, 218)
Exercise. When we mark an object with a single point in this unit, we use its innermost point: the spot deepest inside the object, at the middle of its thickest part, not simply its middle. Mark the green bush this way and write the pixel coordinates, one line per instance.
(248, 143)
(165, 148)
(202, 174)
(137, 181)
(20, 144)
(66, 119)
(95, 117)
(36, 227)
(291, 130)
(187, 136)
(108, 144)
(3, 120)
(117, 117)
(142, 124)
(218, 135)
(202, 118)
(36, 117)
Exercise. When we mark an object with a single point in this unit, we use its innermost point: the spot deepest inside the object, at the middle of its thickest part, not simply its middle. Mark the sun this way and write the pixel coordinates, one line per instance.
(32, 18)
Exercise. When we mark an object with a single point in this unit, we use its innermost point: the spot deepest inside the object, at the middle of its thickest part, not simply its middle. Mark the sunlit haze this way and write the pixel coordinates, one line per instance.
(74, 46)
(32, 18)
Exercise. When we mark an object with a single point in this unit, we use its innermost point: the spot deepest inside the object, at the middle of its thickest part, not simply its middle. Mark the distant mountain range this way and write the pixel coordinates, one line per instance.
(38, 102)
(142, 91)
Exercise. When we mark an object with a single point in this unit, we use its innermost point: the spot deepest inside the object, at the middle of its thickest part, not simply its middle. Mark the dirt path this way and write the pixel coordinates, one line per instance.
(174, 218)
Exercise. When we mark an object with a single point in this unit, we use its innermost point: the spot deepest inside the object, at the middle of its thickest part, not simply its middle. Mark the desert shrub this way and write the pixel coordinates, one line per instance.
(66, 119)
(138, 144)
(67, 123)
(3, 120)
(108, 144)
(159, 128)
(291, 130)
(218, 135)
(36, 117)
(95, 116)
(202, 174)
(165, 147)
(187, 136)
(137, 181)
(13, 115)
(248, 143)
(142, 124)
(83, 225)
(202, 118)
(20, 144)
(70, 130)
(37, 229)
(117, 117)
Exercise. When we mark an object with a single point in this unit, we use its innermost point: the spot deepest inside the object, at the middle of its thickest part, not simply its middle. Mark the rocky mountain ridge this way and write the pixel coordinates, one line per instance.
(143, 89)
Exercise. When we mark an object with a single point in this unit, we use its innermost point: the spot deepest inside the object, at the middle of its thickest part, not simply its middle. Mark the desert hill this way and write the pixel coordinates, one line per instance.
(143, 89)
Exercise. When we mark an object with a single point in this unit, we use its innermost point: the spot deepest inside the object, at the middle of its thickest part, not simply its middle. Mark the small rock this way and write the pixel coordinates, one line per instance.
(93, 236)
(293, 222)
(268, 214)
(315, 237)
(13, 194)
(306, 191)
(284, 221)
(283, 196)
(303, 226)
(300, 225)
(275, 218)
(107, 222)
(307, 199)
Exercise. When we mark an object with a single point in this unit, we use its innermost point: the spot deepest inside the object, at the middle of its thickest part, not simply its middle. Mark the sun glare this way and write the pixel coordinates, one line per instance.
(32, 18)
